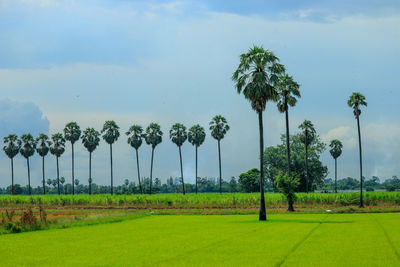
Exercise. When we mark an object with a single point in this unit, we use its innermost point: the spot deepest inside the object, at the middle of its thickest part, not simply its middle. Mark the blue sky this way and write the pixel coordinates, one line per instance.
(166, 61)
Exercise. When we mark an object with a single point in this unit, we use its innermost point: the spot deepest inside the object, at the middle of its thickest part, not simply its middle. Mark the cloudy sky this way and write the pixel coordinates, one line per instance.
(166, 62)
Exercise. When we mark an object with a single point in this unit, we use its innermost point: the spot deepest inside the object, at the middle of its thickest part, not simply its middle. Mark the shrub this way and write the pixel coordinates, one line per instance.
(287, 186)
(28, 220)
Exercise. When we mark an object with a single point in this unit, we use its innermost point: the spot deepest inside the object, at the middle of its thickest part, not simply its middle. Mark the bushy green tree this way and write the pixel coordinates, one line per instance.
(196, 137)
(287, 185)
(178, 135)
(250, 181)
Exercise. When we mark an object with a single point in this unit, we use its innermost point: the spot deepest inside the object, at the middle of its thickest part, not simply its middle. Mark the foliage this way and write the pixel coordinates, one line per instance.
(287, 186)
(355, 101)
(153, 134)
(29, 145)
(110, 132)
(135, 136)
(308, 132)
(58, 144)
(196, 135)
(72, 132)
(336, 148)
(219, 127)
(43, 144)
(90, 139)
(287, 90)
(250, 181)
(178, 134)
(12, 145)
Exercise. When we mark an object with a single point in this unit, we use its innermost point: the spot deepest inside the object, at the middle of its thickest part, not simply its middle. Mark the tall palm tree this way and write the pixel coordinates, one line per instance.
(72, 133)
(219, 127)
(287, 90)
(256, 76)
(90, 140)
(42, 149)
(336, 150)
(307, 137)
(196, 137)
(355, 101)
(153, 137)
(57, 149)
(11, 148)
(178, 136)
(135, 139)
(110, 133)
(27, 150)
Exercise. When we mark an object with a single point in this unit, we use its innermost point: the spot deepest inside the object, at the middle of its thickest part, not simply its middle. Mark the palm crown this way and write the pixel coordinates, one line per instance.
(153, 134)
(219, 127)
(355, 101)
(43, 144)
(309, 132)
(58, 146)
(257, 75)
(178, 134)
(196, 135)
(72, 132)
(28, 148)
(90, 139)
(12, 145)
(135, 136)
(336, 148)
(110, 132)
(287, 90)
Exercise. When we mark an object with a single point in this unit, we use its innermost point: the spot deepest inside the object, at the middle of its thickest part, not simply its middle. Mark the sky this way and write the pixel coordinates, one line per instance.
(138, 62)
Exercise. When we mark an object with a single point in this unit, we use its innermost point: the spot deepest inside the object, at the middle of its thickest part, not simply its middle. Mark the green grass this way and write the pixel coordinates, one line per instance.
(230, 240)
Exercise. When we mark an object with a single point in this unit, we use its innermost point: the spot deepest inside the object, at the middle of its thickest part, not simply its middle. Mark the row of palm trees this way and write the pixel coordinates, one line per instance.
(261, 78)
(178, 133)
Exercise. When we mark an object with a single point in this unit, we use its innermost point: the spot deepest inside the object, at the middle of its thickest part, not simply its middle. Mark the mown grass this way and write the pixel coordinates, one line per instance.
(229, 240)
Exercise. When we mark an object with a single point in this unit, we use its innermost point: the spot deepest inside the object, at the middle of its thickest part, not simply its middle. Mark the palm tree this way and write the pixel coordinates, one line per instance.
(355, 101)
(72, 133)
(27, 150)
(57, 149)
(11, 148)
(307, 137)
(110, 135)
(178, 136)
(196, 137)
(135, 139)
(336, 150)
(287, 90)
(256, 77)
(153, 137)
(42, 149)
(219, 127)
(90, 140)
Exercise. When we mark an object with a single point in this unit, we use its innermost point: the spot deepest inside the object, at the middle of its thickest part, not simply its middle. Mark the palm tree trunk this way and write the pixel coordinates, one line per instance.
(196, 170)
(138, 172)
(29, 177)
(111, 169)
(361, 177)
(90, 173)
(73, 176)
(263, 213)
(151, 170)
(306, 167)
(44, 184)
(220, 175)
(180, 158)
(58, 177)
(12, 176)
(287, 138)
(335, 175)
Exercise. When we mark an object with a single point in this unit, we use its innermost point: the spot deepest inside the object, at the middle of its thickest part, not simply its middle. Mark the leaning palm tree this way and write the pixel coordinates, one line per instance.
(11, 148)
(219, 127)
(135, 139)
(72, 133)
(256, 76)
(336, 150)
(355, 101)
(57, 149)
(178, 136)
(196, 137)
(42, 149)
(110, 135)
(307, 137)
(287, 90)
(153, 137)
(27, 150)
(90, 140)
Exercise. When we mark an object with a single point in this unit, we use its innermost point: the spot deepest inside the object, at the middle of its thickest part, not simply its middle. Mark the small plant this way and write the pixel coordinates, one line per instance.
(287, 186)
(28, 220)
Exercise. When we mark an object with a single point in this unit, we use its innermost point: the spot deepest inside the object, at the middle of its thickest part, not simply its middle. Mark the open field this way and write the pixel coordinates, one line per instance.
(285, 239)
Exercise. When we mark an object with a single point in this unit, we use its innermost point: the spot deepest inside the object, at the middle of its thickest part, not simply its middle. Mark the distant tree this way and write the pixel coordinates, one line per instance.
(178, 136)
(76, 182)
(336, 150)
(72, 133)
(90, 140)
(307, 137)
(110, 133)
(42, 148)
(11, 148)
(62, 181)
(135, 139)
(355, 101)
(249, 181)
(153, 138)
(196, 137)
(57, 149)
(233, 184)
(27, 151)
(49, 182)
(219, 127)
(287, 186)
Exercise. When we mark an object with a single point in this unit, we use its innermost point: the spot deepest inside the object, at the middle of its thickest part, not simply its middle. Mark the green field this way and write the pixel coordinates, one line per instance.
(239, 240)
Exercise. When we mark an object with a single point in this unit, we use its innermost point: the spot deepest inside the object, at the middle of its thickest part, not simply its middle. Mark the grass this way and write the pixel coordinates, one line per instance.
(236, 240)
